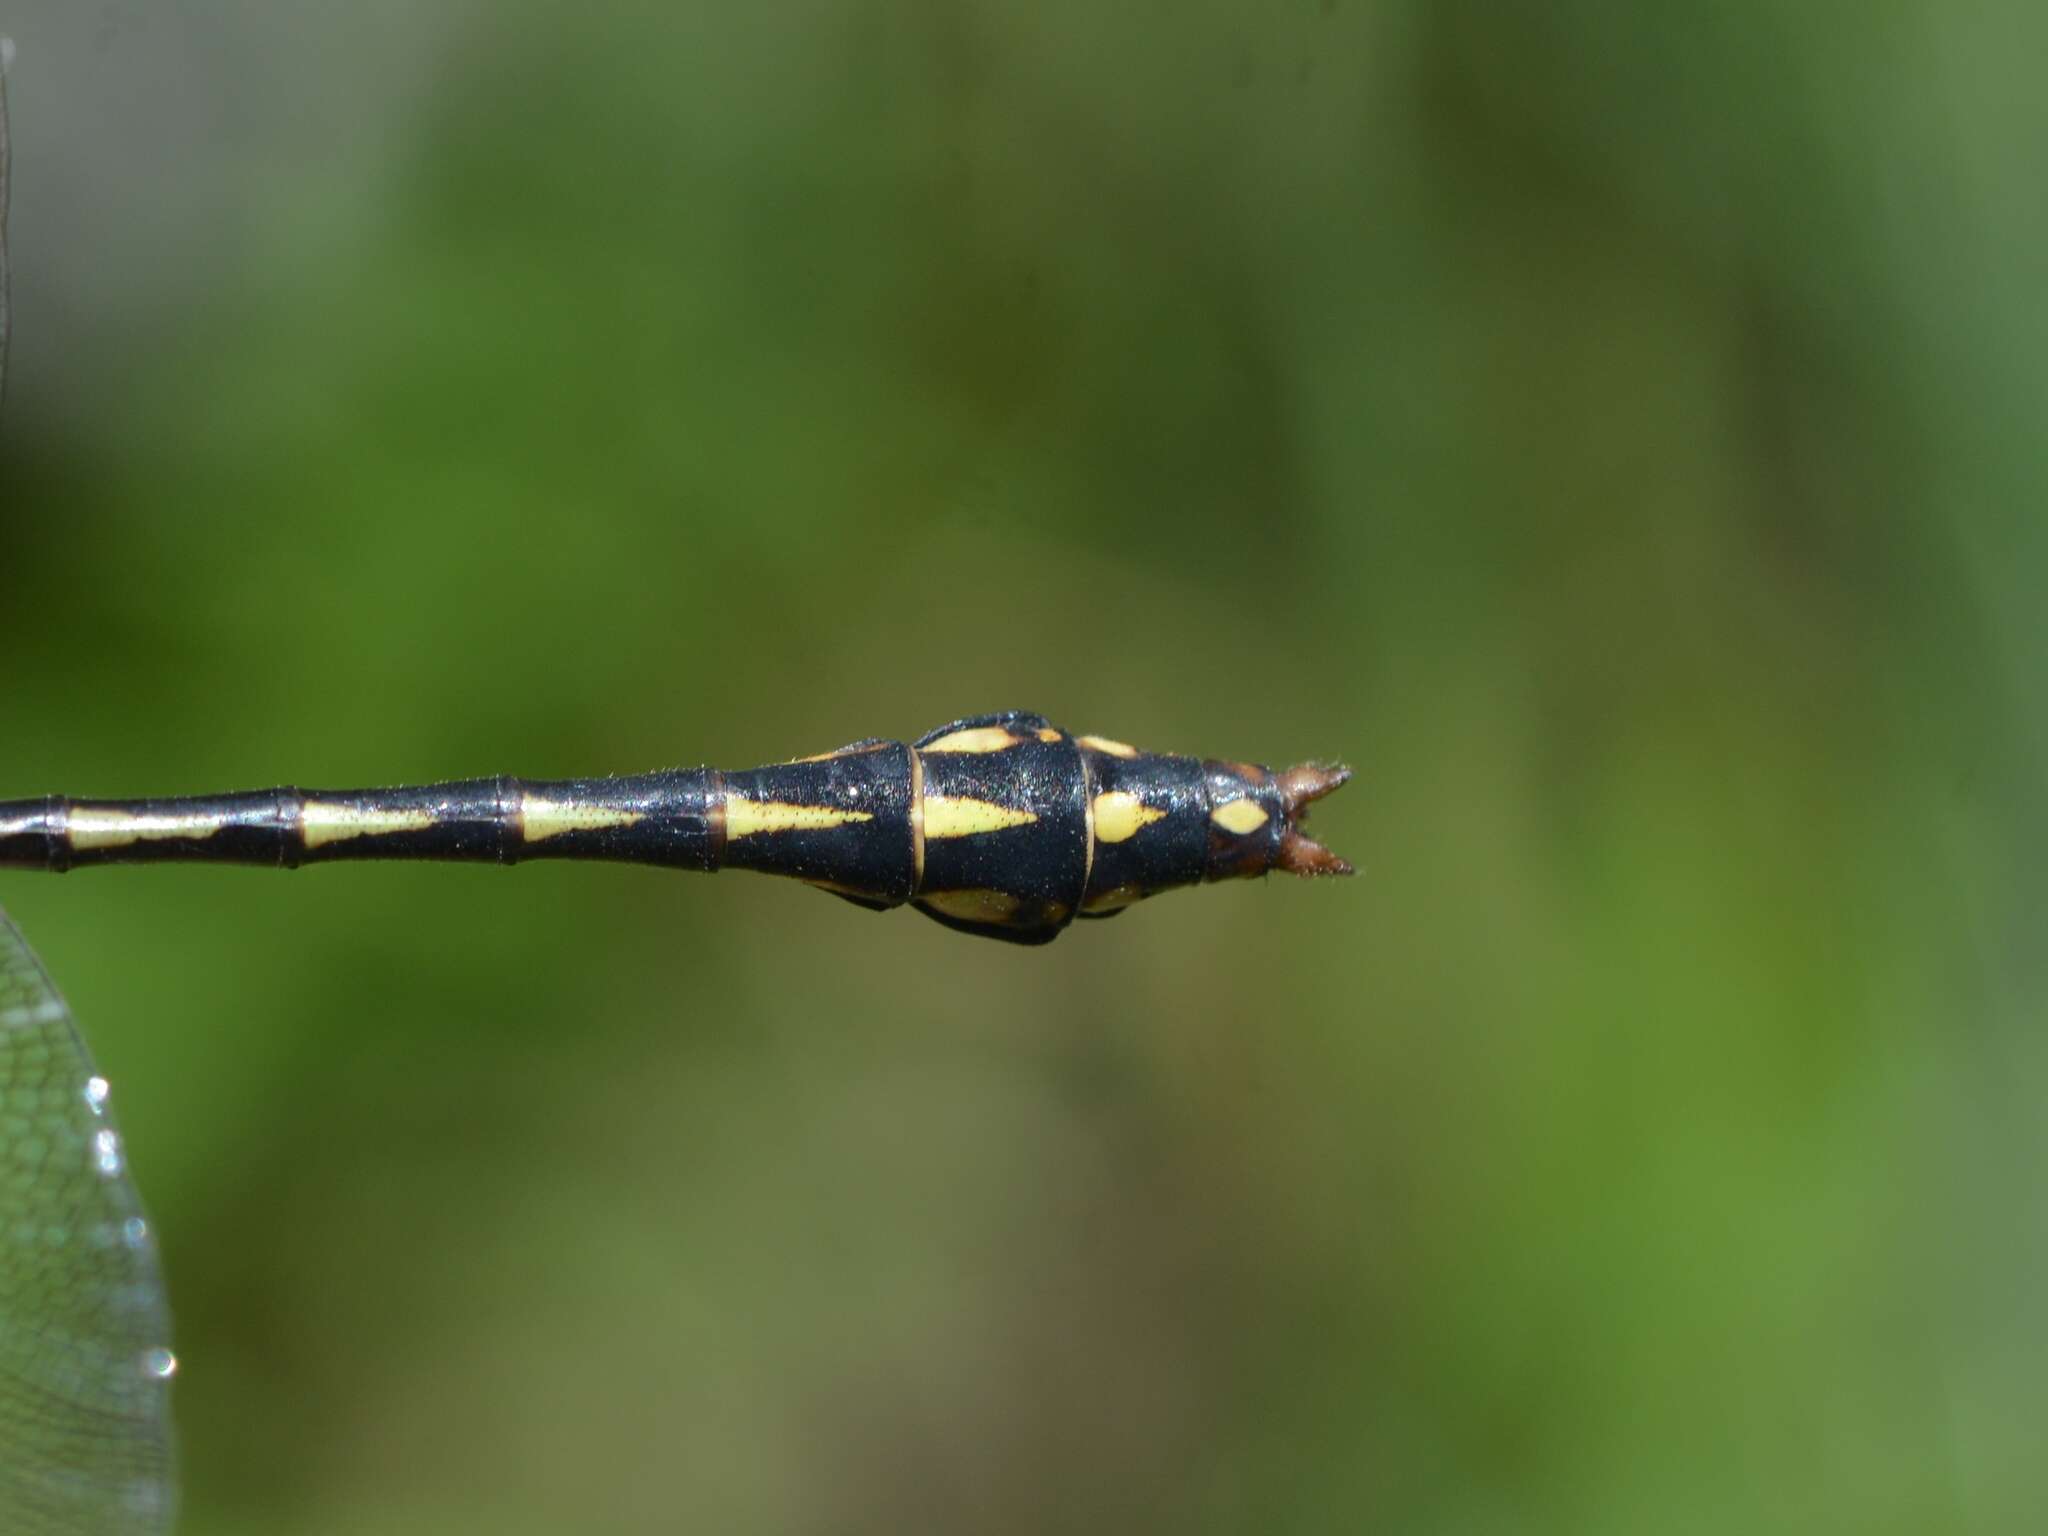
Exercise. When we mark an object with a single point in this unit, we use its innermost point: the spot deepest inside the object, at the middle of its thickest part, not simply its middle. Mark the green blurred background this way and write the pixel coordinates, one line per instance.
(1618, 432)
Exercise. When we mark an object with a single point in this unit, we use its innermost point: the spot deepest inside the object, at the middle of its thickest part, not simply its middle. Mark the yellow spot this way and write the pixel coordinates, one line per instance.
(1048, 733)
(90, 827)
(1239, 816)
(542, 819)
(953, 816)
(743, 818)
(976, 906)
(980, 738)
(1114, 899)
(1120, 815)
(1104, 744)
(326, 822)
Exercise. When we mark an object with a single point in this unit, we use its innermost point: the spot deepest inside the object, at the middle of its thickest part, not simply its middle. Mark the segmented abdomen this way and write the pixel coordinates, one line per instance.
(1001, 825)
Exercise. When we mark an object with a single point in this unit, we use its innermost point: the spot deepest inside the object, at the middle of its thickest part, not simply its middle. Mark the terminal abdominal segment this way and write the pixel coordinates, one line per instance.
(1002, 825)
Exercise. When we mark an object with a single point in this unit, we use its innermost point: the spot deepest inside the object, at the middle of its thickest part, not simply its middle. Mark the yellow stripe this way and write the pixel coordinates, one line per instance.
(1115, 899)
(541, 819)
(1120, 815)
(847, 751)
(90, 827)
(954, 816)
(916, 820)
(1087, 822)
(1048, 733)
(743, 818)
(979, 738)
(1239, 816)
(976, 906)
(1104, 744)
(326, 822)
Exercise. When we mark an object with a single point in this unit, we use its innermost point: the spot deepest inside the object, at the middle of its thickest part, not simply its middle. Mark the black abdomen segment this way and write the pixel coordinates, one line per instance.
(1002, 825)
(1150, 816)
(841, 821)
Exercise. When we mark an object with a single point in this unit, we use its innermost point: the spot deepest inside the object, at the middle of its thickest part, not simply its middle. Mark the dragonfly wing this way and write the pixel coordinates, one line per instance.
(85, 1358)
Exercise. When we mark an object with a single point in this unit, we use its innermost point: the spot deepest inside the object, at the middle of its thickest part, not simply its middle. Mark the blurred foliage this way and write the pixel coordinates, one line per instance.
(1613, 428)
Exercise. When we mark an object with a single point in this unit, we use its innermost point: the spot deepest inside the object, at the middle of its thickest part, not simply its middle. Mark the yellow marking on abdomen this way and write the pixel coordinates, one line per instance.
(849, 751)
(979, 738)
(541, 819)
(90, 827)
(743, 818)
(1239, 816)
(1104, 744)
(916, 819)
(975, 906)
(325, 822)
(1114, 899)
(956, 816)
(1120, 814)
(1048, 733)
(1087, 822)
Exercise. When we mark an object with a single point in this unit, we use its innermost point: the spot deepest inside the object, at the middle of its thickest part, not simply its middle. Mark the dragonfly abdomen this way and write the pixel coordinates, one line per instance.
(1002, 825)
